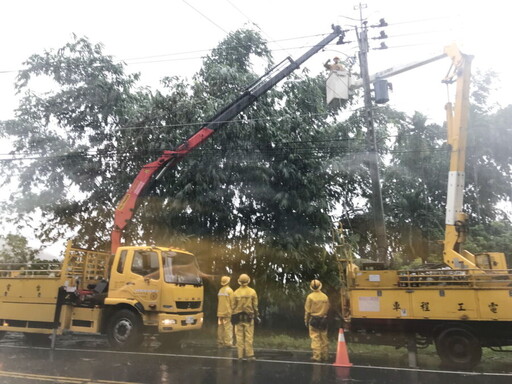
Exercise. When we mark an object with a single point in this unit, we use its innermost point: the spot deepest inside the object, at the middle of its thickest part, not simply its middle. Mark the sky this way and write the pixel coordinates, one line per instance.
(159, 38)
(163, 38)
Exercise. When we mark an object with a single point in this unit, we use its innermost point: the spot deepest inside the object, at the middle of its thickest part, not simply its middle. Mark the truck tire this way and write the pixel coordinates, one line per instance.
(125, 330)
(458, 348)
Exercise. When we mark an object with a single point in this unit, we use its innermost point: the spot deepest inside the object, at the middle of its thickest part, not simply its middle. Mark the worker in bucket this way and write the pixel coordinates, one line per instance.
(336, 66)
(245, 312)
(224, 311)
(315, 318)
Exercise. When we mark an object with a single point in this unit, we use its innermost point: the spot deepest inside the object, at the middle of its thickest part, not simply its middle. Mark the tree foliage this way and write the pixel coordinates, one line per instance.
(253, 199)
(66, 135)
(259, 197)
(415, 182)
(14, 249)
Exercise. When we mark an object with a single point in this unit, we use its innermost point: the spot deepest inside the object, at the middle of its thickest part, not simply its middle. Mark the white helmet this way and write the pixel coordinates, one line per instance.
(315, 285)
(244, 279)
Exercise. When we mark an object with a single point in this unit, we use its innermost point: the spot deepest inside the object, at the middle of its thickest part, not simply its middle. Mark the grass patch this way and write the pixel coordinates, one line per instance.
(269, 340)
(360, 354)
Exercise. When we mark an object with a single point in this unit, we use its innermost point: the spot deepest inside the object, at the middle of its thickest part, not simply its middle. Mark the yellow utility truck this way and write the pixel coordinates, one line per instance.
(460, 306)
(144, 288)
(139, 290)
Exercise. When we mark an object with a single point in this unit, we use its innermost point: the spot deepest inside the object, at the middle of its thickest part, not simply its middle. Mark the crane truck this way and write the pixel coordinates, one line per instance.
(461, 306)
(130, 290)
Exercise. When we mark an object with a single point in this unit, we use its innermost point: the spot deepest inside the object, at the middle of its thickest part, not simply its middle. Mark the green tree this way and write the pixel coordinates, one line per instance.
(14, 249)
(495, 237)
(256, 198)
(415, 182)
(414, 188)
(488, 169)
(271, 193)
(65, 138)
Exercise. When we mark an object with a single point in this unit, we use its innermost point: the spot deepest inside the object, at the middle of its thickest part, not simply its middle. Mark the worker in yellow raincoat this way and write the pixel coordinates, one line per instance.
(315, 318)
(245, 312)
(224, 311)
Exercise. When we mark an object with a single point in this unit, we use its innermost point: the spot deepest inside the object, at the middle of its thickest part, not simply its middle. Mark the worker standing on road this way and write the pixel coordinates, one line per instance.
(315, 318)
(245, 311)
(224, 311)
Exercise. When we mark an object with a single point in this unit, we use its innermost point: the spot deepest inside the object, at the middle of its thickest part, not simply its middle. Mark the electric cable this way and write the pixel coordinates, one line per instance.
(137, 60)
(438, 129)
(233, 153)
(206, 17)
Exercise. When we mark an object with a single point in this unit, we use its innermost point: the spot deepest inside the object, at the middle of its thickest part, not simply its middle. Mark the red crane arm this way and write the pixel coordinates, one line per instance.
(126, 207)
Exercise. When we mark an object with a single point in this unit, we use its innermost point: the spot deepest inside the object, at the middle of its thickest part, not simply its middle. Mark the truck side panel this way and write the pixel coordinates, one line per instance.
(86, 320)
(38, 318)
(448, 304)
(28, 303)
(20, 317)
(495, 304)
(27, 289)
(442, 295)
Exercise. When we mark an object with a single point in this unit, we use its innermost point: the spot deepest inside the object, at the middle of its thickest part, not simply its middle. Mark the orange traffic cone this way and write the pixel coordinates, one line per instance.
(342, 359)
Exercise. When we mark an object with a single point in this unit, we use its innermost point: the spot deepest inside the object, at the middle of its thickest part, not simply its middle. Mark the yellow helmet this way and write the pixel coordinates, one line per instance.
(244, 279)
(225, 280)
(315, 285)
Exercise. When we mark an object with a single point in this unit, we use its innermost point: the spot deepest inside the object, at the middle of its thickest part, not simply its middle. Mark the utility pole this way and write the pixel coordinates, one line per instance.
(373, 161)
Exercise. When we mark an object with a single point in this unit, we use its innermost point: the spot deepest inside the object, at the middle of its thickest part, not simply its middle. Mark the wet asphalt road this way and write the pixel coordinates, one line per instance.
(86, 361)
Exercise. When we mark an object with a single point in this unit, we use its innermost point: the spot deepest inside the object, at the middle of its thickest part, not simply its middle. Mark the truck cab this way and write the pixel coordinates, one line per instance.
(163, 284)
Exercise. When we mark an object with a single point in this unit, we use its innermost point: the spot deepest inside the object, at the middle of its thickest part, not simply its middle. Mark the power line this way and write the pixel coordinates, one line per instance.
(235, 121)
(420, 20)
(206, 17)
(148, 59)
(284, 148)
(286, 49)
(409, 45)
(156, 152)
(416, 33)
(250, 20)
(142, 60)
(438, 129)
(199, 51)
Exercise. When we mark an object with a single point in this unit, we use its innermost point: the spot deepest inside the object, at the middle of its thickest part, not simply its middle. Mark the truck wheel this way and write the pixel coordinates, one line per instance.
(458, 348)
(125, 330)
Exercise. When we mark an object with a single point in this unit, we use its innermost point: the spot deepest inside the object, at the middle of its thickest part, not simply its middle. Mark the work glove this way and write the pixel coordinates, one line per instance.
(258, 320)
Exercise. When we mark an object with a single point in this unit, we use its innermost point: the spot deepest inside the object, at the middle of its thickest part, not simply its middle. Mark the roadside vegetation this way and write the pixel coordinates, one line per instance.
(360, 354)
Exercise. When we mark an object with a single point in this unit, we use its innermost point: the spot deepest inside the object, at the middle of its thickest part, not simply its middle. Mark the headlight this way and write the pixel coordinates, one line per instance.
(168, 322)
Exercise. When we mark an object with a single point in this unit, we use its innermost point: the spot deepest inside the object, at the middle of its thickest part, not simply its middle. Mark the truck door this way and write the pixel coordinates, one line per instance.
(144, 277)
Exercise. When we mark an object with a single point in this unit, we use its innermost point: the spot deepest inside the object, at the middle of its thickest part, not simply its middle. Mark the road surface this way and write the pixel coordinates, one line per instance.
(82, 361)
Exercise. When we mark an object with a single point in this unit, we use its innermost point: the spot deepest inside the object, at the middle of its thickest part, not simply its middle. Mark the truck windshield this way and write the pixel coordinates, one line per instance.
(180, 268)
